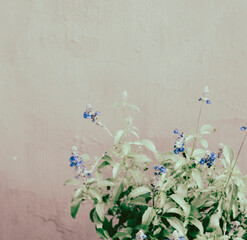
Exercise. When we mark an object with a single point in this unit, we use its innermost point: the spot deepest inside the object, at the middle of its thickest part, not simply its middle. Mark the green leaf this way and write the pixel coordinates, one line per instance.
(141, 158)
(134, 107)
(103, 164)
(198, 224)
(139, 201)
(75, 207)
(72, 181)
(176, 210)
(95, 194)
(214, 224)
(139, 191)
(148, 216)
(180, 201)
(116, 169)
(105, 183)
(77, 193)
(100, 211)
(149, 145)
(197, 176)
(135, 134)
(118, 136)
(118, 189)
(207, 129)
(177, 224)
(126, 148)
(228, 154)
(198, 153)
(204, 143)
(101, 233)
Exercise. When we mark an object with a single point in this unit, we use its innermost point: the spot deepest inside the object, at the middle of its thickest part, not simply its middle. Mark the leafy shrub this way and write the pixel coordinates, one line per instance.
(136, 192)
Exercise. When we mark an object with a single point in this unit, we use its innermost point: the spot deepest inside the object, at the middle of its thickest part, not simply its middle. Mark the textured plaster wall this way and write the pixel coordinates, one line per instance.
(57, 55)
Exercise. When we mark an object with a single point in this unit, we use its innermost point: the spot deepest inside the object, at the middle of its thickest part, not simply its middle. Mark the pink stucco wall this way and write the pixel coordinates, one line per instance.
(56, 56)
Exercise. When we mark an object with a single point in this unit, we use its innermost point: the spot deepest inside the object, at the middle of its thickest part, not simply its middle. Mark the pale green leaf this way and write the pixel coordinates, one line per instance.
(149, 145)
(177, 224)
(180, 201)
(134, 107)
(116, 169)
(197, 176)
(198, 224)
(207, 129)
(204, 143)
(139, 191)
(118, 189)
(72, 181)
(228, 154)
(148, 216)
(118, 136)
(75, 207)
(105, 183)
(100, 211)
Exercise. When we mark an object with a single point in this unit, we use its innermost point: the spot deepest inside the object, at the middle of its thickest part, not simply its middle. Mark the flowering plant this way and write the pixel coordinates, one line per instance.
(138, 193)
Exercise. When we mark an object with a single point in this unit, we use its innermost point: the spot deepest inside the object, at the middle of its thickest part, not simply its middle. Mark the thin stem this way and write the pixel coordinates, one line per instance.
(108, 131)
(197, 128)
(235, 160)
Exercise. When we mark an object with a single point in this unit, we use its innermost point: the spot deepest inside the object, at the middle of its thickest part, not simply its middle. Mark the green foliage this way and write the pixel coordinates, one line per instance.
(198, 202)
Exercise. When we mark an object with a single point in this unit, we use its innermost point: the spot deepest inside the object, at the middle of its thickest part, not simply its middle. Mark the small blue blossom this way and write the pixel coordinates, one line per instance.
(208, 102)
(176, 131)
(202, 161)
(162, 169)
(89, 175)
(90, 114)
(243, 128)
(159, 169)
(182, 238)
(176, 151)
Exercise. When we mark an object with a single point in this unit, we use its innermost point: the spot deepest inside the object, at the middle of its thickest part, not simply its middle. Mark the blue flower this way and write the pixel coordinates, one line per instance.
(176, 131)
(202, 161)
(159, 169)
(181, 149)
(89, 175)
(90, 114)
(176, 151)
(162, 169)
(208, 102)
(182, 238)
(243, 128)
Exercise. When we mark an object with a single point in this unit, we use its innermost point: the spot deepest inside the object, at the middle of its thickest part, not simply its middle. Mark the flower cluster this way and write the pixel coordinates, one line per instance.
(179, 143)
(90, 114)
(77, 162)
(208, 159)
(204, 98)
(175, 236)
(140, 235)
(159, 170)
